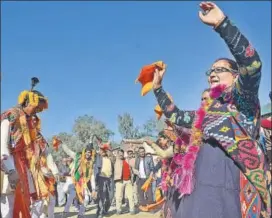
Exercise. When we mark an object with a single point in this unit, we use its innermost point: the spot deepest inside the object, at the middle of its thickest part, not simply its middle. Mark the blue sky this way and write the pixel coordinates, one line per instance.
(87, 55)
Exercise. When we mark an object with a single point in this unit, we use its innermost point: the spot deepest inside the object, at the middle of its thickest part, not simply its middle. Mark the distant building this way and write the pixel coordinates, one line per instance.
(134, 144)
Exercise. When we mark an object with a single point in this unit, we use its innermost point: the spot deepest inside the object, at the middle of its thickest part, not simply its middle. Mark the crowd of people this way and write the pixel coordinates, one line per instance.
(211, 162)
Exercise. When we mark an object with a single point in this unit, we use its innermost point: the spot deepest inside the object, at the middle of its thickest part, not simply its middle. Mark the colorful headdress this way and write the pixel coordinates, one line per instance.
(33, 97)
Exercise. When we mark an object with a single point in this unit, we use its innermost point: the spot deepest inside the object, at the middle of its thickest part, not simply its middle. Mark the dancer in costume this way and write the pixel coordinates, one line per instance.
(83, 177)
(44, 173)
(15, 140)
(220, 176)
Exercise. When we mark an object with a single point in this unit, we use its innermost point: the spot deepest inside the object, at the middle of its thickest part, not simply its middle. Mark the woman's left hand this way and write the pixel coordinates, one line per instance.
(212, 15)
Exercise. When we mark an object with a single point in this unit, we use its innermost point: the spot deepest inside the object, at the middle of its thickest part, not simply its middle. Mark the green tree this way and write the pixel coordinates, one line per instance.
(152, 127)
(126, 127)
(86, 126)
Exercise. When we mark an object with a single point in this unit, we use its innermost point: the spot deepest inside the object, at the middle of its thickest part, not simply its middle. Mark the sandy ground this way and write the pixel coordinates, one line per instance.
(91, 210)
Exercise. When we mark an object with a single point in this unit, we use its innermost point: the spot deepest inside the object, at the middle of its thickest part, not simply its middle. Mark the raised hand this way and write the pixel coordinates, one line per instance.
(158, 76)
(56, 143)
(211, 14)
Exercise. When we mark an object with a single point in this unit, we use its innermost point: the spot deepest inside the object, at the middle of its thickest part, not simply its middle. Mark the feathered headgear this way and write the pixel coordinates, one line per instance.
(33, 97)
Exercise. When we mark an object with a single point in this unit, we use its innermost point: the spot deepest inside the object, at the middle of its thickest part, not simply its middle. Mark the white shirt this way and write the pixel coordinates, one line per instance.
(142, 170)
(6, 158)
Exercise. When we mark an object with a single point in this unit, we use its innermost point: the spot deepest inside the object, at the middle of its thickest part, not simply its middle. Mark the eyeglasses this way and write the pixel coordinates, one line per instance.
(220, 70)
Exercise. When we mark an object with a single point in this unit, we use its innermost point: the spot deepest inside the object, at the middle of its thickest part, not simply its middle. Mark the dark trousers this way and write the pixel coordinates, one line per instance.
(145, 198)
(104, 196)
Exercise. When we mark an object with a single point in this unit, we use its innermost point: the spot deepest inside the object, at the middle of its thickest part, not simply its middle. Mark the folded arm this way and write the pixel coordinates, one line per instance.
(174, 114)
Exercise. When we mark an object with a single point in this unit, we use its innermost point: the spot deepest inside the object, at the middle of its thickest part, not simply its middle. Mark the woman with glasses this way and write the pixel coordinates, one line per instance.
(224, 167)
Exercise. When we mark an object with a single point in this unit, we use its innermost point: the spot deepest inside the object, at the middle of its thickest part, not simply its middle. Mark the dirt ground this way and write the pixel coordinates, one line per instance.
(91, 210)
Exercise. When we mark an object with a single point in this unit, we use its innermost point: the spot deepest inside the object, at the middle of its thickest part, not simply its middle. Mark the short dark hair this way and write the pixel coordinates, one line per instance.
(121, 150)
(233, 64)
(141, 148)
(129, 151)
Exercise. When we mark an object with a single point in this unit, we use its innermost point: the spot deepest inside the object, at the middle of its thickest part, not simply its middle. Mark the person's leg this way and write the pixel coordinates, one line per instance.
(135, 194)
(149, 196)
(108, 195)
(119, 187)
(129, 196)
(70, 199)
(142, 201)
(61, 194)
(82, 209)
(7, 205)
(51, 206)
(154, 185)
(100, 197)
(37, 209)
(87, 198)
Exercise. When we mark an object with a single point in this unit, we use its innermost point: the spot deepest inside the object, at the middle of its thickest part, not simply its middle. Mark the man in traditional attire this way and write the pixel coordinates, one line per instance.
(44, 173)
(15, 140)
(83, 177)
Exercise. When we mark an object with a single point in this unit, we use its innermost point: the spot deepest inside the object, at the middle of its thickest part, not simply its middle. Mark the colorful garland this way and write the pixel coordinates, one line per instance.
(184, 174)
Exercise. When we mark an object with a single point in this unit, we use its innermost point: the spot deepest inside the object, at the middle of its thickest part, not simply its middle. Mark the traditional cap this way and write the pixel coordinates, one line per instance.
(33, 97)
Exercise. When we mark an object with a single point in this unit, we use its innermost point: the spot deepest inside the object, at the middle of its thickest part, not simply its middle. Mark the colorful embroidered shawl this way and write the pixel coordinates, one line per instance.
(19, 141)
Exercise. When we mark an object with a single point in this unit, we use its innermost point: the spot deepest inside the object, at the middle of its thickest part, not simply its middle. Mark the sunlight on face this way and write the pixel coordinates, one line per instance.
(222, 78)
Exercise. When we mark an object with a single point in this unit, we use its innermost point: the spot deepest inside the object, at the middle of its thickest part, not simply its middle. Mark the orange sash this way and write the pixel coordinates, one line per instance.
(22, 195)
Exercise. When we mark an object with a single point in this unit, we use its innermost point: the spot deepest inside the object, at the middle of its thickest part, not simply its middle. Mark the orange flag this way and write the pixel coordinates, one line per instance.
(158, 109)
(147, 74)
(147, 184)
(56, 143)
